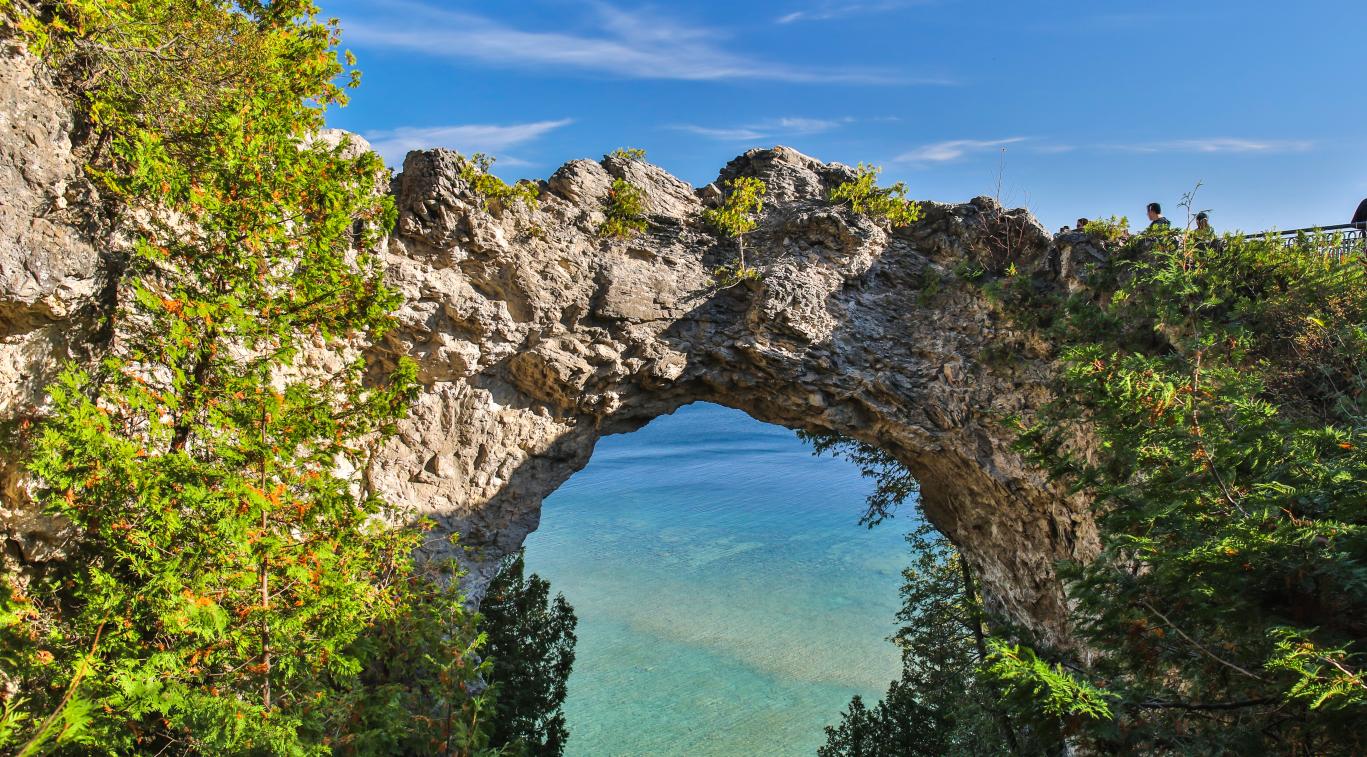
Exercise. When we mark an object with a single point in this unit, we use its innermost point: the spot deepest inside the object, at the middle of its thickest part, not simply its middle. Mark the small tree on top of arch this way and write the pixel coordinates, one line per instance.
(738, 216)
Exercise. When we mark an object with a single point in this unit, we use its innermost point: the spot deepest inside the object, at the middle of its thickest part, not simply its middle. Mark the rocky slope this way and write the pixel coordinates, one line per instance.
(535, 337)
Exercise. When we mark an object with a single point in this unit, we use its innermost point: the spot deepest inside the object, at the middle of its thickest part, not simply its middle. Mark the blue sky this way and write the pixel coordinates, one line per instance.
(1099, 106)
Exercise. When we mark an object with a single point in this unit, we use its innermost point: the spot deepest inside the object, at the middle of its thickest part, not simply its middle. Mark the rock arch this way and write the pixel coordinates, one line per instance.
(535, 338)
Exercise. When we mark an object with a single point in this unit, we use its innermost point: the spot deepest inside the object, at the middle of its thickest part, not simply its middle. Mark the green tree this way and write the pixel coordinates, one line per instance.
(938, 706)
(231, 576)
(1224, 384)
(863, 195)
(942, 704)
(531, 641)
(738, 216)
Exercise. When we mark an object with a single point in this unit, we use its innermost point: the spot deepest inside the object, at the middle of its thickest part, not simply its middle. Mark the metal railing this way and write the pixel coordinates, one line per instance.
(1338, 241)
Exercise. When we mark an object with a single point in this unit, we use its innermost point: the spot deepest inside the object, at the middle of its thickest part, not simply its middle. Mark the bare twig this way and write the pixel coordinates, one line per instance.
(1198, 644)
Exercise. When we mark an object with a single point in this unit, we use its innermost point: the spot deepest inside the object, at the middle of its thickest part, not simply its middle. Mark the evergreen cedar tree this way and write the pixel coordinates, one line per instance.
(939, 705)
(531, 639)
(1226, 386)
(228, 590)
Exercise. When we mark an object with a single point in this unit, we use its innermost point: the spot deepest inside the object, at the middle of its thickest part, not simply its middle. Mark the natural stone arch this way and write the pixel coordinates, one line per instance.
(535, 338)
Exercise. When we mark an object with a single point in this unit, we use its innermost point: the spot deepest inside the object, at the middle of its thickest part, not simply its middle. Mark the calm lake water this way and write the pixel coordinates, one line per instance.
(729, 603)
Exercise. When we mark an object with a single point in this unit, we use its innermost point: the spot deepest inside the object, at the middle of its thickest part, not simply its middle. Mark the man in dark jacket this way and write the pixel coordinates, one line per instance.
(1156, 219)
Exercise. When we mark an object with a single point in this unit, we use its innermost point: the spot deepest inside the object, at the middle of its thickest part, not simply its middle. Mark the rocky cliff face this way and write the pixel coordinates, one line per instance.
(535, 338)
(51, 273)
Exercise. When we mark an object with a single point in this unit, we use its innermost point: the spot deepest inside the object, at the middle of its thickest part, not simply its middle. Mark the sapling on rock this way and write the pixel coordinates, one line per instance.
(738, 216)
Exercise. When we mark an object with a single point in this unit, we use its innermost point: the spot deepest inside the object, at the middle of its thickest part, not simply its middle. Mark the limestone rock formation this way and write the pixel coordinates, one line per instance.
(50, 271)
(535, 337)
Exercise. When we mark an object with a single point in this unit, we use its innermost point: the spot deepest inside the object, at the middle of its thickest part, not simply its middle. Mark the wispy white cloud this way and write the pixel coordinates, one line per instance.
(1219, 145)
(944, 152)
(394, 144)
(773, 128)
(954, 149)
(739, 134)
(825, 11)
(811, 125)
(632, 44)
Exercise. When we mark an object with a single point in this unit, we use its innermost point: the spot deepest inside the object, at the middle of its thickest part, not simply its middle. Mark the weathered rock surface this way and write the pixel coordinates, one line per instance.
(535, 338)
(50, 270)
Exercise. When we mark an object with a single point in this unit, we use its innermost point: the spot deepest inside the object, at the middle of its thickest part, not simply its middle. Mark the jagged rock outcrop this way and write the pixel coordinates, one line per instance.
(535, 337)
(51, 271)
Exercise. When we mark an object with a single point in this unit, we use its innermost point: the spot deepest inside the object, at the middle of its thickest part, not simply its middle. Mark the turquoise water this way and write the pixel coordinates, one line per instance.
(728, 601)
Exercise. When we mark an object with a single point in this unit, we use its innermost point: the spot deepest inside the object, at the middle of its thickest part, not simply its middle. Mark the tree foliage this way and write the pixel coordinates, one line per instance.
(938, 706)
(625, 211)
(1225, 385)
(232, 587)
(737, 216)
(893, 483)
(947, 700)
(531, 641)
(863, 195)
(494, 193)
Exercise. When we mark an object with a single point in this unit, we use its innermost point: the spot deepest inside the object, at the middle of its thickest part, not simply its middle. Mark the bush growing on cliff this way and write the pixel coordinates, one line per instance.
(531, 641)
(738, 216)
(626, 214)
(490, 189)
(863, 195)
(1224, 384)
(229, 589)
(1111, 229)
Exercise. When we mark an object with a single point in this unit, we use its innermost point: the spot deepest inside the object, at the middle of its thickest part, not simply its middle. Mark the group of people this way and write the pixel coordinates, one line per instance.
(1157, 220)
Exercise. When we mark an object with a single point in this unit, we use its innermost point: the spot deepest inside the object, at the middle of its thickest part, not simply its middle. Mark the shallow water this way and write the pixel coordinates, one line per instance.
(729, 603)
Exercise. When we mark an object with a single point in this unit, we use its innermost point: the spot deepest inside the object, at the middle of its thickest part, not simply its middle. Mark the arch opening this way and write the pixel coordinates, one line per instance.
(728, 600)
